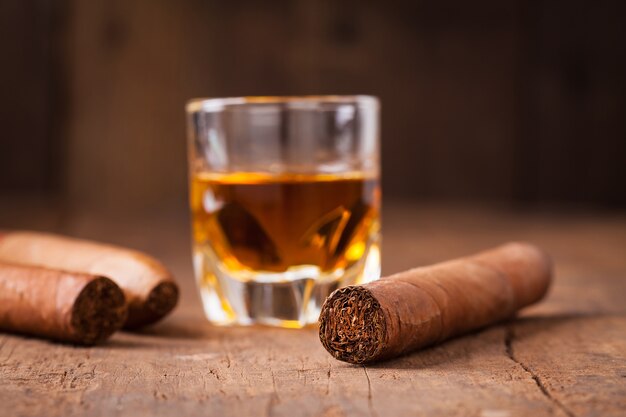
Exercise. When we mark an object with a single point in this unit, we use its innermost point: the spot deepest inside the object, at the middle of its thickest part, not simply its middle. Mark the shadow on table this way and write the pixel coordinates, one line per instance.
(192, 329)
(460, 350)
(186, 331)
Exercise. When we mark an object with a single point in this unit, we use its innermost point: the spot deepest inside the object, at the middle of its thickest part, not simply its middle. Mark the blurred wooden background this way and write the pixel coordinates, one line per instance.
(519, 102)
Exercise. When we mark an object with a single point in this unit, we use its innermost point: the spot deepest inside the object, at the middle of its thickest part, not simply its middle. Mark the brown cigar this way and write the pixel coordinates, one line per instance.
(148, 286)
(424, 306)
(66, 306)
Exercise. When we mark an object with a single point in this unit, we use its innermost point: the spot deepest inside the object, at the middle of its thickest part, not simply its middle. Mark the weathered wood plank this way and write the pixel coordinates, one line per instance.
(577, 361)
(565, 357)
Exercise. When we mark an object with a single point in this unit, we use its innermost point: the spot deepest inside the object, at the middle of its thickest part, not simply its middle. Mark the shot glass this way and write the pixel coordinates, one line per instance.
(285, 203)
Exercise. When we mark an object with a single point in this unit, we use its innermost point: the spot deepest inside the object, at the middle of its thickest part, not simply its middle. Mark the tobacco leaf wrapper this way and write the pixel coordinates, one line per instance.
(149, 288)
(424, 306)
(66, 306)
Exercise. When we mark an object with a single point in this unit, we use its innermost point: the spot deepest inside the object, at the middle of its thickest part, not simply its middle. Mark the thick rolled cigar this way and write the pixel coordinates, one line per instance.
(148, 286)
(61, 305)
(423, 306)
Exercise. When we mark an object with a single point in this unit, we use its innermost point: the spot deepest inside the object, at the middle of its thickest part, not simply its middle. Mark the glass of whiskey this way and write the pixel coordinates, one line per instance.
(285, 203)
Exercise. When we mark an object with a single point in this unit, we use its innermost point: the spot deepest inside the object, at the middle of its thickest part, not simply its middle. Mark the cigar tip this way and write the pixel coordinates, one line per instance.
(100, 309)
(160, 302)
(352, 325)
(528, 268)
(163, 298)
(527, 247)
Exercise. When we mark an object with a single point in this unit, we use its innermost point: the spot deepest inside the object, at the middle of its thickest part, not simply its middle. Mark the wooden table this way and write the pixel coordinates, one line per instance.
(564, 357)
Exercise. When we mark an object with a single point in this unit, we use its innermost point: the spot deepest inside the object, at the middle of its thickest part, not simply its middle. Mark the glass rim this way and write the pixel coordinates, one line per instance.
(310, 102)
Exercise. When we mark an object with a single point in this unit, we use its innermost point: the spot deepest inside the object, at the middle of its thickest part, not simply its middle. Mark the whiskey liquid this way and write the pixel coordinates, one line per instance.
(291, 231)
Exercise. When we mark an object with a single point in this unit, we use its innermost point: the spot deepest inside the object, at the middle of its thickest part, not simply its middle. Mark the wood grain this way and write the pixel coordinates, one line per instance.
(565, 357)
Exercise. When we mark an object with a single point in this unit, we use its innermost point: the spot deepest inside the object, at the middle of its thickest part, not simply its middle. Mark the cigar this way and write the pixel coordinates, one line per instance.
(66, 306)
(424, 306)
(148, 286)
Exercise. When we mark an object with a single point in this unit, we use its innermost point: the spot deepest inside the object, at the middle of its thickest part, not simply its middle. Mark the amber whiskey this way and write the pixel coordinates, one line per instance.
(303, 235)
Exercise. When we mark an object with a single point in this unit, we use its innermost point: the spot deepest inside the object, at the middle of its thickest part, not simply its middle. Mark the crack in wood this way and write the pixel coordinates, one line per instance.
(369, 394)
(224, 344)
(328, 379)
(215, 374)
(509, 336)
(274, 398)
(5, 341)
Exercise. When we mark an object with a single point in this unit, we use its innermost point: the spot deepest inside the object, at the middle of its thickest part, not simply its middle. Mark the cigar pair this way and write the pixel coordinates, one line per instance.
(76, 290)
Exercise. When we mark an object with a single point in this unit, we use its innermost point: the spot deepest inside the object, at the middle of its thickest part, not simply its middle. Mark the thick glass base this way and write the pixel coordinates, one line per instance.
(290, 299)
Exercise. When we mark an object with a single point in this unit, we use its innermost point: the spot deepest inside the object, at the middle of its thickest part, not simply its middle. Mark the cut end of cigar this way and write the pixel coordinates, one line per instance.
(352, 325)
(163, 298)
(160, 302)
(100, 309)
